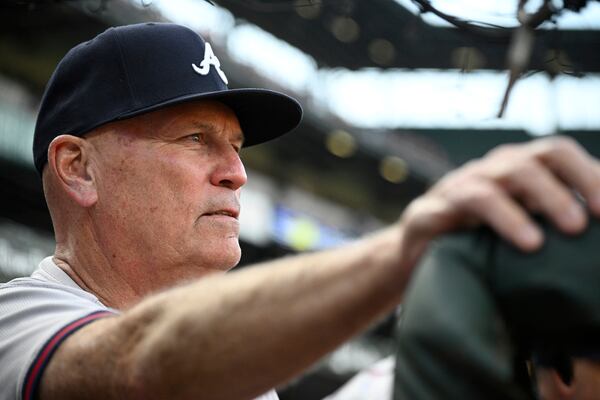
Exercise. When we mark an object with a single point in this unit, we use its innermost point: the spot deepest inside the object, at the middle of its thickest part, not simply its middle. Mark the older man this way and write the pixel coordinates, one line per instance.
(137, 142)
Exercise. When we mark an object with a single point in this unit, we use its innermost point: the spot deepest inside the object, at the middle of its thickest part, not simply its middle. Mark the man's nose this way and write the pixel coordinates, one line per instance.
(230, 171)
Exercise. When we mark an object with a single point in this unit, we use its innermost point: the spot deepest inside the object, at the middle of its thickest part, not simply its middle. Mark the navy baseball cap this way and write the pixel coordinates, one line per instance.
(130, 70)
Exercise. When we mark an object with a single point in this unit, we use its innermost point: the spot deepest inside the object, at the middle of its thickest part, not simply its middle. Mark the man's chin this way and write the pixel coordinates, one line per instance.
(226, 258)
(198, 271)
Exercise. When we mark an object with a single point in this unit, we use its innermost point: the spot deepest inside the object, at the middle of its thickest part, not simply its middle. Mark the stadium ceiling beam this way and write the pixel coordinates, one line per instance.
(382, 33)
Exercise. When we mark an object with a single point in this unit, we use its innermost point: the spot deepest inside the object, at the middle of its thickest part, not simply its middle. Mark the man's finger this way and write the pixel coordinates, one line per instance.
(568, 160)
(536, 185)
(493, 207)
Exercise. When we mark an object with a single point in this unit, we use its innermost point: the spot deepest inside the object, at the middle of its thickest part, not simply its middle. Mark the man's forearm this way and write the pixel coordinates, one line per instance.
(242, 334)
(237, 335)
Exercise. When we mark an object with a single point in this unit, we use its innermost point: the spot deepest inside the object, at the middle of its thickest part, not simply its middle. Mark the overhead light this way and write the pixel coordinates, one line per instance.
(345, 29)
(307, 10)
(340, 143)
(382, 52)
(393, 169)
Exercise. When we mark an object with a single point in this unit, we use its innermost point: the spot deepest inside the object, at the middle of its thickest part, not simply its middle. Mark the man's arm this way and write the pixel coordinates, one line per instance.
(232, 336)
(237, 335)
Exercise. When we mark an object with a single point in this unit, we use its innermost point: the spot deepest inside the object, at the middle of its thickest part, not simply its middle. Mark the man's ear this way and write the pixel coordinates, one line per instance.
(565, 389)
(68, 161)
(551, 385)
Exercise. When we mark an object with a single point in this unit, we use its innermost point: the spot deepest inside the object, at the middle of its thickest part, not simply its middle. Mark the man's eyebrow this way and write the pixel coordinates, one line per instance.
(207, 126)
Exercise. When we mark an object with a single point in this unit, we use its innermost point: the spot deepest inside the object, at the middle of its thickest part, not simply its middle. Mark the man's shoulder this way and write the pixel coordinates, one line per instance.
(48, 283)
(24, 282)
(30, 297)
(29, 281)
(35, 313)
(36, 287)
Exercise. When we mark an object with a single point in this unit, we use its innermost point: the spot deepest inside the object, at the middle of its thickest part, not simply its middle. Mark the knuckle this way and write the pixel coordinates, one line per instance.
(468, 168)
(459, 176)
(527, 169)
(564, 141)
(480, 195)
(506, 149)
(562, 144)
(519, 172)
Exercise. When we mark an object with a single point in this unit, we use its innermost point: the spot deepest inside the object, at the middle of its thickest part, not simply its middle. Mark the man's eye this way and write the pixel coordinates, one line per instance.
(196, 137)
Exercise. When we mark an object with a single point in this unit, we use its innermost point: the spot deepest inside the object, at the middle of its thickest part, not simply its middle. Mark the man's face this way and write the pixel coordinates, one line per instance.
(169, 188)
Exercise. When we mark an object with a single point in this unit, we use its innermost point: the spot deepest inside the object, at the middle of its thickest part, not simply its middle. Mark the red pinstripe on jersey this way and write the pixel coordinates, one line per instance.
(36, 369)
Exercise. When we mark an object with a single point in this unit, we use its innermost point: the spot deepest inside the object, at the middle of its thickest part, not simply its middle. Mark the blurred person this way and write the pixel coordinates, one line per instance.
(484, 320)
(481, 320)
(137, 142)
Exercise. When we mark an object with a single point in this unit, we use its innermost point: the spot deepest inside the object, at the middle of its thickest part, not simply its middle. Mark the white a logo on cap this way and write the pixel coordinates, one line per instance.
(209, 59)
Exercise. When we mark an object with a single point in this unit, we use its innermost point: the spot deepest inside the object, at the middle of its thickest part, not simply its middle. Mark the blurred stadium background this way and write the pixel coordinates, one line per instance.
(394, 98)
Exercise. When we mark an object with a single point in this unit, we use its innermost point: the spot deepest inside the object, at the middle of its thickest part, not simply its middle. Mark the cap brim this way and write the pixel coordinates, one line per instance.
(263, 114)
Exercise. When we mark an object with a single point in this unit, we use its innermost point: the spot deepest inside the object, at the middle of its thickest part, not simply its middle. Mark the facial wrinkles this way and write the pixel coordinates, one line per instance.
(141, 141)
(214, 204)
(113, 146)
(219, 198)
(230, 128)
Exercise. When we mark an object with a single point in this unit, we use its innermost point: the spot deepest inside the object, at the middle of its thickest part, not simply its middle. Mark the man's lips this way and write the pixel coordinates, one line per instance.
(233, 213)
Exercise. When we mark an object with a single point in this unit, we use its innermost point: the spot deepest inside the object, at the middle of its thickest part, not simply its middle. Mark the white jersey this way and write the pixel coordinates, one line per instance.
(36, 314)
(376, 382)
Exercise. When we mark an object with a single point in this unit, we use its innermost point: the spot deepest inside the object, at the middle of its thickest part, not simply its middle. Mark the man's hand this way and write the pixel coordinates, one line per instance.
(501, 189)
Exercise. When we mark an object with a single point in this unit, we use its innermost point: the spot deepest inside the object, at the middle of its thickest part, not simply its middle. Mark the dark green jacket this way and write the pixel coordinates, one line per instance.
(477, 307)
